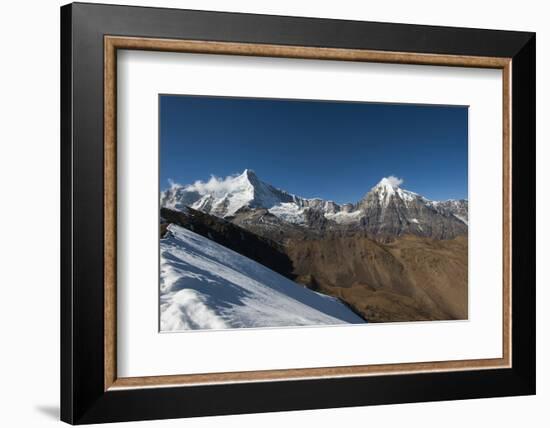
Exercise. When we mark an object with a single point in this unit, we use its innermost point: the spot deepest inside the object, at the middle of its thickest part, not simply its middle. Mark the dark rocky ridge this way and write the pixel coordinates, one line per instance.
(263, 250)
(403, 213)
(263, 223)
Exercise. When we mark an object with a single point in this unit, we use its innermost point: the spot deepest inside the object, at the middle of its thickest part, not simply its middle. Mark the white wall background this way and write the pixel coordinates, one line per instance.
(29, 214)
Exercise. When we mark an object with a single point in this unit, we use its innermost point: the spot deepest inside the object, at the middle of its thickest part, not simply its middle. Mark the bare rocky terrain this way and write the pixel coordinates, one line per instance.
(410, 278)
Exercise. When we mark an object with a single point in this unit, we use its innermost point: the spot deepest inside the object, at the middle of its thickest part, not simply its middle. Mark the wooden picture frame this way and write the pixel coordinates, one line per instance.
(91, 390)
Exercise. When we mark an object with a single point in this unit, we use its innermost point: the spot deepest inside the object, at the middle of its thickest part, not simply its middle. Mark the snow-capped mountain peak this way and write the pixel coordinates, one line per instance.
(389, 188)
(389, 183)
(386, 188)
(223, 197)
(250, 176)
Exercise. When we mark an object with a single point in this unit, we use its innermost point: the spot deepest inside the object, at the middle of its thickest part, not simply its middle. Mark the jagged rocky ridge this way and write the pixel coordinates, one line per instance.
(262, 250)
(385, 211)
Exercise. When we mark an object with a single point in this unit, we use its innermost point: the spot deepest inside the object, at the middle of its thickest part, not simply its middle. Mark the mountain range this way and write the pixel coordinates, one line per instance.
(385, 211)
(394, 255)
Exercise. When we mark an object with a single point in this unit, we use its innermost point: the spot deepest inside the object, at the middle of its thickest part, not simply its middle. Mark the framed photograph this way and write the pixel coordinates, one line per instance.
(266, 213)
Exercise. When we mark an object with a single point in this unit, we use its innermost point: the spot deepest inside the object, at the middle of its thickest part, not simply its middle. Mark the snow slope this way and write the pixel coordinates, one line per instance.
(204, 285)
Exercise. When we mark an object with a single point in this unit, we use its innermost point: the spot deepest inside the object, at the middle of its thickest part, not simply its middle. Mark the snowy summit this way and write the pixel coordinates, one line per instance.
(223, 197)
(389, 186)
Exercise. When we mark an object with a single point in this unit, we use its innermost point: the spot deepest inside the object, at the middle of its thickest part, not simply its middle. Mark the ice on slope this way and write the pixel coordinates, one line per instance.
(204, 285)
(289, 212)
(343, 217)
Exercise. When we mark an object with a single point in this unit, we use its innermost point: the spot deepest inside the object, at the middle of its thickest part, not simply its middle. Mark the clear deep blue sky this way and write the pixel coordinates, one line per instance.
(331, 150)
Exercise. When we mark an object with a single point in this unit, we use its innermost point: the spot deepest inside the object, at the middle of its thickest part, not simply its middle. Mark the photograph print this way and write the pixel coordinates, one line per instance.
(287, 213)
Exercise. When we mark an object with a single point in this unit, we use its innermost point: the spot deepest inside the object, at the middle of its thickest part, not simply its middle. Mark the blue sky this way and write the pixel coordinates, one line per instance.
(326, 149)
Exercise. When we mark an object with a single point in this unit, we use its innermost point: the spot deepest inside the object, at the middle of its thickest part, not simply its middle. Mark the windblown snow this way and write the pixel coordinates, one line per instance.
(389, 186)
(204, 285)
(225, 196)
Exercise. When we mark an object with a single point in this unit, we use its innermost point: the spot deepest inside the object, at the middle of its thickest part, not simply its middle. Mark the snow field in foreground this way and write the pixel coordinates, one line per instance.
(204, 285)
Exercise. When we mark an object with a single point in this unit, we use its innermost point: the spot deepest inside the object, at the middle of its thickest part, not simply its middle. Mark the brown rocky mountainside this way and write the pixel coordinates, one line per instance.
(406, 278)
(411, 278)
